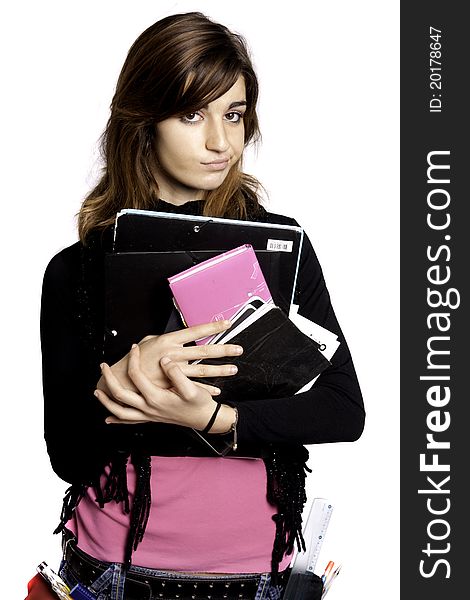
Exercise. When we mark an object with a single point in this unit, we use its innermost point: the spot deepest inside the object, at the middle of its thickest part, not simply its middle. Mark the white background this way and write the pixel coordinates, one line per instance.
(328, 74)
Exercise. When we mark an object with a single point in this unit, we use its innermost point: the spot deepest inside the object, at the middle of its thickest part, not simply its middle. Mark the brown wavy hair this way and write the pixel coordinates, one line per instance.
(177, 65)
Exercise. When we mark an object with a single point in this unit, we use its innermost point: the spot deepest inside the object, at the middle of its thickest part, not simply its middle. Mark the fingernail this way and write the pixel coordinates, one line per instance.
(134, 346)
(101, 366)
(96, 393)
(217, 391)
(239, 350)
(233, 369)
(227, 323)
(165, 360)
(107, 421)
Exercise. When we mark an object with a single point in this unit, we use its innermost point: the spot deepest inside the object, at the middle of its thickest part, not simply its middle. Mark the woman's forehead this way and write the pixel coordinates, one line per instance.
(234, 97)
(208, 82)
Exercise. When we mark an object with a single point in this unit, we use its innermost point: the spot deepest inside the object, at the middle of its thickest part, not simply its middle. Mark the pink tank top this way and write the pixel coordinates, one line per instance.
(208, 515)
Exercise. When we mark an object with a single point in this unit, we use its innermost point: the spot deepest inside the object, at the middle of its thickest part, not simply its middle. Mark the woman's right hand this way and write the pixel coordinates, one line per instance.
(154, 347)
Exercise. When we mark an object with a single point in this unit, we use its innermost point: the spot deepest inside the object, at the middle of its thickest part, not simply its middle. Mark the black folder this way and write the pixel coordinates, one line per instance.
(138, 299)
(151, 246)
(152, 231)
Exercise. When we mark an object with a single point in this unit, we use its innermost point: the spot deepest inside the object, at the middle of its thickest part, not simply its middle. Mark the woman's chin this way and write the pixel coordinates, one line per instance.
(213, 180)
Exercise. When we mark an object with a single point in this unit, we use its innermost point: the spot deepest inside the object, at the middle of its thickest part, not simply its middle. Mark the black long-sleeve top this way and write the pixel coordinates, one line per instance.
(79, 442)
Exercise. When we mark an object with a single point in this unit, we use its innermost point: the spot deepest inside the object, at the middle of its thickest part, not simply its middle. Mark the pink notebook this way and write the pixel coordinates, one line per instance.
(217, 288)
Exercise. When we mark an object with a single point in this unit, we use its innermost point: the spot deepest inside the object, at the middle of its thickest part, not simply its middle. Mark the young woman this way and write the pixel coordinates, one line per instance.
(150, 513)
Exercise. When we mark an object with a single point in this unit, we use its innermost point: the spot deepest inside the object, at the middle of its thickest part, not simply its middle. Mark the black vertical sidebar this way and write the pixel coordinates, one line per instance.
(435, 271)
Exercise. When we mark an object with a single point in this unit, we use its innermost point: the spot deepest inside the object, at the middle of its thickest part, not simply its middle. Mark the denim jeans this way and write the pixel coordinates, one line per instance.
(110, 584)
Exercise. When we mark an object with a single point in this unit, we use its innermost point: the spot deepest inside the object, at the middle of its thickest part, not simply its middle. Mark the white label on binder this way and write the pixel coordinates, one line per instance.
(279, 245)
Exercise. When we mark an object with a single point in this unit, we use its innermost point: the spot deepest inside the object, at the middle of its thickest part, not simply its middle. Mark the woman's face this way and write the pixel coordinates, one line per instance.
(195, 152)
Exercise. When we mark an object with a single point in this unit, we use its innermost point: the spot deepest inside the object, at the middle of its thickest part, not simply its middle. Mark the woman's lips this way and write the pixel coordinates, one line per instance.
(217, 165)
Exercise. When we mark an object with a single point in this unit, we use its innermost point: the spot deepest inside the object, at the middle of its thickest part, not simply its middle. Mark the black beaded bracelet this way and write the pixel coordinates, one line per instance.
(208, 427)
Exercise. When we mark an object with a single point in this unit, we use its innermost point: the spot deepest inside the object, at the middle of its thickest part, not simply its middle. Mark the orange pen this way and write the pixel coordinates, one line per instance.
(328, 568)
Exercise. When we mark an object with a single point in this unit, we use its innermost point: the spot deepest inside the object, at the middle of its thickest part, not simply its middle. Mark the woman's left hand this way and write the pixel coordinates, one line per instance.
(185, 403)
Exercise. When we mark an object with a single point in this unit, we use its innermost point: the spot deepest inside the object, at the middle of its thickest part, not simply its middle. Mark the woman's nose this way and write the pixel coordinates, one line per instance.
(216, 138)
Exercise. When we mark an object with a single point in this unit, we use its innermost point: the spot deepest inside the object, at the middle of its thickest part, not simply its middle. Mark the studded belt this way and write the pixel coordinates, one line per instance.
(146, 587)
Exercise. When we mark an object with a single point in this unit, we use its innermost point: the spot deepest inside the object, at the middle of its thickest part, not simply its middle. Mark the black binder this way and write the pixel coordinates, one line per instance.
(151, 231)
(138, 299)
(151, 246)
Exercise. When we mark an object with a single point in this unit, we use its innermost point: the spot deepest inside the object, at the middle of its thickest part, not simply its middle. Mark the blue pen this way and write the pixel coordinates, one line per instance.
(329, 581)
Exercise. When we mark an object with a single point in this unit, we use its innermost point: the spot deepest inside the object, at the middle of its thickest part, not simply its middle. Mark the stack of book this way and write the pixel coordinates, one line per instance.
(278, 358)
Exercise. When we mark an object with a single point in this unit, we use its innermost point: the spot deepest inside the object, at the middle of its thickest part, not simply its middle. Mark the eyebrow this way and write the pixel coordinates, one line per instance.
(239, 103)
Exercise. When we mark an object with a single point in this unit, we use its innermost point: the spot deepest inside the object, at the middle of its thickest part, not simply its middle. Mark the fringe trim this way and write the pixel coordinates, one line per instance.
(116, 483)
(115, 489)
(72, 498)
(141, 505)
(286, 473)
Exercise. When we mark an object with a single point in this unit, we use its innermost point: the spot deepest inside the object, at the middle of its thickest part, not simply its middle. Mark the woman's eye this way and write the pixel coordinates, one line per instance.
(234, 117)
(191, 117)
